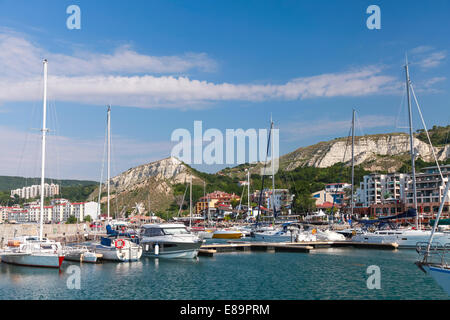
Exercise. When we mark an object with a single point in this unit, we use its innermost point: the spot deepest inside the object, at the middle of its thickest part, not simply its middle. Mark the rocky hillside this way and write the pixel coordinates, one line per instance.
(150, 182)
(381, 152)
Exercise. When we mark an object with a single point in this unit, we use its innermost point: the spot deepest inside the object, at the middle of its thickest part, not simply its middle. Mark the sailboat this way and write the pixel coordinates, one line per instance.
(273, 233)
(406, 238)
(114, 247)
(32, 250)
(433, 257)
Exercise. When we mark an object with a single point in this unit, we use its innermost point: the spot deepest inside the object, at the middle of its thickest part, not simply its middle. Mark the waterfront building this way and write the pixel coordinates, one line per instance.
(429, 190)
(213, 200)
(379, 188)
(282, 198)
(34, 191)
(59, 211)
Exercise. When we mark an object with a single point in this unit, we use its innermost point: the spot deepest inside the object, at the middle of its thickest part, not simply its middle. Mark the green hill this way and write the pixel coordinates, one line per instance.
(9, 183)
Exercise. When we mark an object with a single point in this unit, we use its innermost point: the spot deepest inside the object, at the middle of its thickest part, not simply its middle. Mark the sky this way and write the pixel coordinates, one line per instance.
(162, 65)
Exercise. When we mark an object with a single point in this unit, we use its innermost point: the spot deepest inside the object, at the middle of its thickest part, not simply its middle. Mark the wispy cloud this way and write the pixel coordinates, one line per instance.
(428, 57)
(128, 78)
(296, 131)
(20, 58)
(73, 157)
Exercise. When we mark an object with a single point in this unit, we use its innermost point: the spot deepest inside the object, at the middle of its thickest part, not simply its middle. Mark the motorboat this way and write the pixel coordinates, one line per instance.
(227, 234)
(329, 235)
(34, 252)
(276, 235)
(117, 249)
(81, 254)
(169, 240)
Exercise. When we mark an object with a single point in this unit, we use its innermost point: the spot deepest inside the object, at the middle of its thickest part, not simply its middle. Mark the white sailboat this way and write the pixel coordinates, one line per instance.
(31, 250)
(406, 238)
(115, 248)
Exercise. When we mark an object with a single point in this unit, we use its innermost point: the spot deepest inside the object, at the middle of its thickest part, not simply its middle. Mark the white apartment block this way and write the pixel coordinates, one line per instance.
(375, 188)
(59, 211)
(429, 186)
(34, 191)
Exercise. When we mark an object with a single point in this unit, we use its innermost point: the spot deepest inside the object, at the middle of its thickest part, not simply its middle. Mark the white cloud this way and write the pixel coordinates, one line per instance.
(73, 157)
(123, 78)
(20, 58)
(150, 91)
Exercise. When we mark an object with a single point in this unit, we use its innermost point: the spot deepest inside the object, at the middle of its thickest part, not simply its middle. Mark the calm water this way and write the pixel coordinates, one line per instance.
(325, 274)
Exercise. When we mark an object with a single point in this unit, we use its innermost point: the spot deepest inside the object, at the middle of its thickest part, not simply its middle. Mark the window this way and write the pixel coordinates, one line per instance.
(153, 232)
(174, 231)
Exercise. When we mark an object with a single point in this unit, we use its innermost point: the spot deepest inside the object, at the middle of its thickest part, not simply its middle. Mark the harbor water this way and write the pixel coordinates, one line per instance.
(322, 274)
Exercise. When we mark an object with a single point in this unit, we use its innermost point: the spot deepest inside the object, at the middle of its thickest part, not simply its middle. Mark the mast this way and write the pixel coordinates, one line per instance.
(413, 168)
(190, 204)
(353, 160)
(273, 169)
(109, 154)
(44, 132)
(248, 190)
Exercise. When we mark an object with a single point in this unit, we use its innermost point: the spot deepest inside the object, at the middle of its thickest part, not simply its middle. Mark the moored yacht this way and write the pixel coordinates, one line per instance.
(169, 240)
(34, 252)
(405, 238)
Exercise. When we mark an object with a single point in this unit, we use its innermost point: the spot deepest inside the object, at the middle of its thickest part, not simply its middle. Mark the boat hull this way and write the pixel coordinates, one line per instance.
(407, 241)
(172, 250)
(227, 235)
(34, 260)
(440, 275)
(119, 255)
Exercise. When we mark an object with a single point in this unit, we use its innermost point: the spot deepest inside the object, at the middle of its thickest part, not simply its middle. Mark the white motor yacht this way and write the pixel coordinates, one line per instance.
(169, 240)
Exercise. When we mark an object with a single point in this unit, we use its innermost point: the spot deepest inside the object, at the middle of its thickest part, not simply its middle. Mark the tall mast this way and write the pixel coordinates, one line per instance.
(413, 167)
(109, 155)
(353, 160)
(248, 191)
(44, 132)
(273, 168)
(190, 204)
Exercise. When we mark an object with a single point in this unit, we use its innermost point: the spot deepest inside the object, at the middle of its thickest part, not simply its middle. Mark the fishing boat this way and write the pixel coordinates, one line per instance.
(169, 240)
(30, 250)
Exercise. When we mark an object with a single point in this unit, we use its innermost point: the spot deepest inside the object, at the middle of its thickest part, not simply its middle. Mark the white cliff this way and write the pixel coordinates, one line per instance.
(367, 148)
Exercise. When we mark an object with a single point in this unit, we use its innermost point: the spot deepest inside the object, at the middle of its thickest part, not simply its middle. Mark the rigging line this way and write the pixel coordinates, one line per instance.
(400, 109)
(264, 174)
(425, 127)
(101, 175)
(182, 200)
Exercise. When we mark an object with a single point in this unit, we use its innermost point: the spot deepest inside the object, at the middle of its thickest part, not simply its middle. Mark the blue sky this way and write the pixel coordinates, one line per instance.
(164, 64)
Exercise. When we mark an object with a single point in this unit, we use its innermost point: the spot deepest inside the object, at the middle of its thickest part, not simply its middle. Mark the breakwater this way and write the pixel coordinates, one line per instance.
(64, 233)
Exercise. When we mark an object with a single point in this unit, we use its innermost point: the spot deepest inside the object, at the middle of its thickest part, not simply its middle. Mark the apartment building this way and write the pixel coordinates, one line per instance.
(34, 191)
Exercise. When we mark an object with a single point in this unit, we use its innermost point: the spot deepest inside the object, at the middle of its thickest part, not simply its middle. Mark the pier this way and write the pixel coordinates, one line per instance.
(300, 247)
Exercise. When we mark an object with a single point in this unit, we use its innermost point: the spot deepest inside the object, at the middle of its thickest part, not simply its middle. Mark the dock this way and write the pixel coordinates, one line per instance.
(301, 247)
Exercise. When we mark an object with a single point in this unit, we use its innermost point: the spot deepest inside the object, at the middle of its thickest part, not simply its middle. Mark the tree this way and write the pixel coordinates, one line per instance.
(71, 220)
(88, 218)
